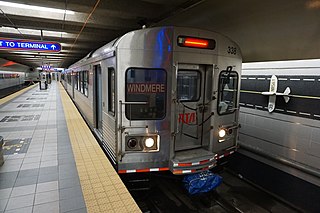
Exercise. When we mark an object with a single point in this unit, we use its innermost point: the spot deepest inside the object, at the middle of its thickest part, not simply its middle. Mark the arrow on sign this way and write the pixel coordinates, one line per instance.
(53, 47)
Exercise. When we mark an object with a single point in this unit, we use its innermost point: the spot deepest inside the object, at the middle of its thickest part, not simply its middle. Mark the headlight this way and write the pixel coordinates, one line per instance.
(132, 143)
(222, 133)
(142, 143)
(149, 142)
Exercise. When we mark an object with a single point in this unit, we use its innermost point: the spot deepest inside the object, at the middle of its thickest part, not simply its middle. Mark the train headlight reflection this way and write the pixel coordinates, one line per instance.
(149, 142)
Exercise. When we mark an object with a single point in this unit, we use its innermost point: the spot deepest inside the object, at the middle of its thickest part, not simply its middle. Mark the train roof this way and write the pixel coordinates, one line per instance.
(125, 41)
(6, 65)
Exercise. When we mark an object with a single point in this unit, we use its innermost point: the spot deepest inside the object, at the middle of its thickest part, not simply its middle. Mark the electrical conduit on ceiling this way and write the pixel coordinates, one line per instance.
(84, 25)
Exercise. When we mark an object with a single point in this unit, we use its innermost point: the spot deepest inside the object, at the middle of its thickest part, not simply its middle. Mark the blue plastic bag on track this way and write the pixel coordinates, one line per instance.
(201, 182)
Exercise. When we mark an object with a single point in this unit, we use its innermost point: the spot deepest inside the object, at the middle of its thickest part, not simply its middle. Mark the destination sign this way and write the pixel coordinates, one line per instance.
(29, 45)
(145, 88)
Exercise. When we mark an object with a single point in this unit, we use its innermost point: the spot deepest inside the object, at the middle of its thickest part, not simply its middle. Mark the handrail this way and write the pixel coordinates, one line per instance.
(133, 103)
(119, 154)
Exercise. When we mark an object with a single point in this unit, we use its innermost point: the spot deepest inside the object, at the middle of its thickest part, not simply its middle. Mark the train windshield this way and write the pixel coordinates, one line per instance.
(188, 85)
(228, 90)
(147, 86)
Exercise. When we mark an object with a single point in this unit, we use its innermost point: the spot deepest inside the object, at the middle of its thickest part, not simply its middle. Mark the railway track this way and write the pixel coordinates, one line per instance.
(163, 192)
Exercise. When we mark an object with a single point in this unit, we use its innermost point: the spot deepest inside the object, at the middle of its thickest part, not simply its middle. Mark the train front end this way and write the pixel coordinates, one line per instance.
(178, 102)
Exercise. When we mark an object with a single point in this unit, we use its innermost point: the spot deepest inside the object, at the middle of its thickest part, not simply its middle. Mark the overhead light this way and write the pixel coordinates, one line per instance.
(41, 57)
(16, 31)
(53, 33)
(38, 8)
(36, 32)
(36, 53)
(66, 44)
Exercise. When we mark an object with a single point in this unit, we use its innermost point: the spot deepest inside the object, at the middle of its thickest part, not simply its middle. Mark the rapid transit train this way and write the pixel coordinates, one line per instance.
(11, 74)
(163, 98)
(11, 79)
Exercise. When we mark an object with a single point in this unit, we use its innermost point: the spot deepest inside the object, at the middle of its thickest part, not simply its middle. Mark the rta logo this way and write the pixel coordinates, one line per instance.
(187, 118)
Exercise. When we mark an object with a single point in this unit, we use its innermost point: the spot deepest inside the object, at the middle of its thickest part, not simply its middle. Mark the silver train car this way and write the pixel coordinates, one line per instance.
(163, 98)
(287, 138)
(11, 79)
(11, 74)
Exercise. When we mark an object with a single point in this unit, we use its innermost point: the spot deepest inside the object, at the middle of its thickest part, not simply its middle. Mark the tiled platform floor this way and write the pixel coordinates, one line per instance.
(40, 173)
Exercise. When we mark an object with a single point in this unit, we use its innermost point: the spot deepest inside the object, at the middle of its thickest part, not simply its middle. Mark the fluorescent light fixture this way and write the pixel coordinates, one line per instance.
(37, 53)
(66, 44)
(53, 33)
(16, 31)
(40, 57)
(36, 32)
(38, 8)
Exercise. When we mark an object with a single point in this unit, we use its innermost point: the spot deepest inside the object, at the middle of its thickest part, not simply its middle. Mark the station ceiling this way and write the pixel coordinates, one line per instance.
(265, 30)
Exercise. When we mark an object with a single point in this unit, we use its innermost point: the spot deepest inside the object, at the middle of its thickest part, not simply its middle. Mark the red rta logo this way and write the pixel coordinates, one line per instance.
(187, 118)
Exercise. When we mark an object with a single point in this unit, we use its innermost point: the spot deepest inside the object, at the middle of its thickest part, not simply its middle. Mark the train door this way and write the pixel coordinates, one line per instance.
(194, 94)
(98, 98)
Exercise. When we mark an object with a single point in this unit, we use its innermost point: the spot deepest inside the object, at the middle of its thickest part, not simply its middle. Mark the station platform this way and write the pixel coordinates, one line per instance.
(52, 162)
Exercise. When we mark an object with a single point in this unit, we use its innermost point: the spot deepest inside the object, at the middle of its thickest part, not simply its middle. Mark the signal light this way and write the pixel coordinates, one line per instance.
(193, 42)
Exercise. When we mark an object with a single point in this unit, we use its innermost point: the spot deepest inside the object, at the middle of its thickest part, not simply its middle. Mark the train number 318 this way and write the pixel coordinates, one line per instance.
(232, 50)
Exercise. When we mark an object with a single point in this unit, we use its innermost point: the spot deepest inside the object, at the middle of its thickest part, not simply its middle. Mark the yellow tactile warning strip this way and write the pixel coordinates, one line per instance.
(102, 188)
(12, 96)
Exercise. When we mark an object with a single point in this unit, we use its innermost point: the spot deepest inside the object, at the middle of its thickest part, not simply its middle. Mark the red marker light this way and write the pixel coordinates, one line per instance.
(8, 63)
(195, 42)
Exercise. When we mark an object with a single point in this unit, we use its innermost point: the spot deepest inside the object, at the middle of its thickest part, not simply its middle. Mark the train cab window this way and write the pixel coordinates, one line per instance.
(111, 90)
(228, 90)
(188, 85)
(147, 86)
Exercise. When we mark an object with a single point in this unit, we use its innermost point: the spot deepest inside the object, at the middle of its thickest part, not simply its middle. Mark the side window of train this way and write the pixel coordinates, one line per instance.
(188, 85)
(69, 78)
(228, 90)
(147, 86)
(78, 74)
(76, 81)
(81, 81)
(85, 82)
(111, 90)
